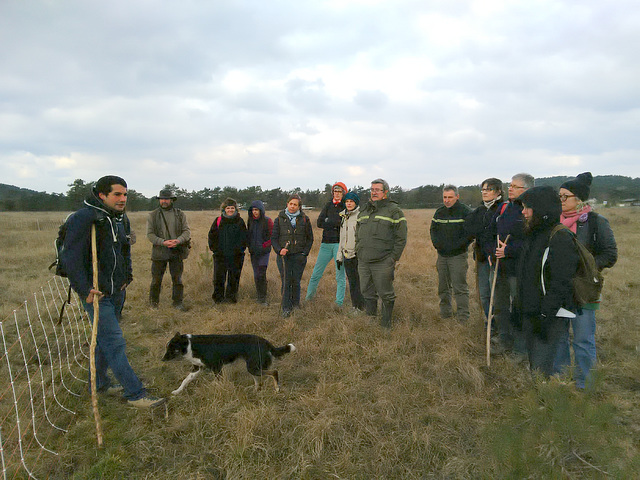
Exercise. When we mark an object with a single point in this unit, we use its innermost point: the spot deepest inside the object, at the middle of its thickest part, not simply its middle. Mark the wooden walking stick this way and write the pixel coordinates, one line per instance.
(94, 336)
(490, 316)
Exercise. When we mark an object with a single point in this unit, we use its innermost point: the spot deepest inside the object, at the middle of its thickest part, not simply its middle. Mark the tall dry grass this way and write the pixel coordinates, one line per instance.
(357, 401)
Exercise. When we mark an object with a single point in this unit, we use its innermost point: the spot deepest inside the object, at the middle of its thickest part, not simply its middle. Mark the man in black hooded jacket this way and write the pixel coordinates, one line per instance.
(546, 269)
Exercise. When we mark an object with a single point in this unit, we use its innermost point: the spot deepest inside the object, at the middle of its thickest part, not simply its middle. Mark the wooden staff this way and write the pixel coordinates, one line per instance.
(94, 336)
(490, 316)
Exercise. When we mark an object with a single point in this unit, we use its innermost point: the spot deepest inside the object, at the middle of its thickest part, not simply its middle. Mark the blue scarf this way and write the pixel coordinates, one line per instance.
(292, 217)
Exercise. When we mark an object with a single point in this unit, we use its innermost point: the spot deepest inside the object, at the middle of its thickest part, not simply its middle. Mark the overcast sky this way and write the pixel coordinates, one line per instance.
(284, 93)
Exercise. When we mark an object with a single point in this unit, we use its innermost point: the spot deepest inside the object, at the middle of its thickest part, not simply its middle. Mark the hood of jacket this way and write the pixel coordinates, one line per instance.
(545, 203)
(94, 201)
(259, 205)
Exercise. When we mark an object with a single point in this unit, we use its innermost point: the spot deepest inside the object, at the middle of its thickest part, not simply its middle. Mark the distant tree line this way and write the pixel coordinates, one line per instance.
(610, 188)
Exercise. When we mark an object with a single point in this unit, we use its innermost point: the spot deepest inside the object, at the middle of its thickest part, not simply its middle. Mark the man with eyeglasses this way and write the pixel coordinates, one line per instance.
(381, 235)
(508, 235)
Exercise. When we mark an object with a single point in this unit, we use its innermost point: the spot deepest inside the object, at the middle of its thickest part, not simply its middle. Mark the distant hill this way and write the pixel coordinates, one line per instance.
(610, 188)
(22, 199)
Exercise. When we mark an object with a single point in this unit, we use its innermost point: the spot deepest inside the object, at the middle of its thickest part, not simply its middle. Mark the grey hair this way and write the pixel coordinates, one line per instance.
(450, 187)
(527, 180)
(384, 183)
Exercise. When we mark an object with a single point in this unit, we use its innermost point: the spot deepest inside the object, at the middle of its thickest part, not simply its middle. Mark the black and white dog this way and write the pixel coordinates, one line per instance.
(214, 351)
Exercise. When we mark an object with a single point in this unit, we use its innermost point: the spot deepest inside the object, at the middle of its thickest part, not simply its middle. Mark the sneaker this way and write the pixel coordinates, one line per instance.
(181, 307)
(114, 389)
(286, 313)
(154, 305)
(147, 402)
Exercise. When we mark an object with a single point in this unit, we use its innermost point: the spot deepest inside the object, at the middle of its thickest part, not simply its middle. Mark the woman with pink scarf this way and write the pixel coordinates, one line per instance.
(593, 231)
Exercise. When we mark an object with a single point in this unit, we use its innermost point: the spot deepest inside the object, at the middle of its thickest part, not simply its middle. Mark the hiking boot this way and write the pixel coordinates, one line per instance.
(387, 313)
(147, 402)
(180, 307)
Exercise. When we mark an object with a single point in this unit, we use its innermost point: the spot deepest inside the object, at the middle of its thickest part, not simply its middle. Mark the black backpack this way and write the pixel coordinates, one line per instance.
(59, 270)
(587, 283)
(58, 245)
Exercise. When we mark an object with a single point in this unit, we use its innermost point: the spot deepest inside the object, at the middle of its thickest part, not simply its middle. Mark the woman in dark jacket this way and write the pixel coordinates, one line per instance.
(546, 267)
(259, 228)
(594, 232)
(227, 241)
(292, 239)
(479, 225)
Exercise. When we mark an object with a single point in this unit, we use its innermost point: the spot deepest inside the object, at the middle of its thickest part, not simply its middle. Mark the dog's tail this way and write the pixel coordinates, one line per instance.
(279, 351)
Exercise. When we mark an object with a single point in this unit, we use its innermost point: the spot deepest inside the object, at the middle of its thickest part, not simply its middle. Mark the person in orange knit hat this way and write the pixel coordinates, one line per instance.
(329, 221)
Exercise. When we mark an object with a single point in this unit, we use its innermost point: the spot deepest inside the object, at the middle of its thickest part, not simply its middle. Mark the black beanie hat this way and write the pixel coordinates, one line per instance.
(580, 186)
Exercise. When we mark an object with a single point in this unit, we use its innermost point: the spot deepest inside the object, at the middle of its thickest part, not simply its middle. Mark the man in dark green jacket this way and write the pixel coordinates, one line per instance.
(381, 235)
(451, 241)
(168, 231)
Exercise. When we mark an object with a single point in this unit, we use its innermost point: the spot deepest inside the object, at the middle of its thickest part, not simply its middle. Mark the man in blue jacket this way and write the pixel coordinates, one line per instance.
(451, 241)
(508, 232)
(104, 208)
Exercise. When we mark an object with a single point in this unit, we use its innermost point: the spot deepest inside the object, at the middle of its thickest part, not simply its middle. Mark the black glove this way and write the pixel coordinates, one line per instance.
(339, 264)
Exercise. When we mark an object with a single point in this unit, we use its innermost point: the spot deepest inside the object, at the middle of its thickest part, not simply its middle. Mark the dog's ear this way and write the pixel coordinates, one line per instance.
(177, 335)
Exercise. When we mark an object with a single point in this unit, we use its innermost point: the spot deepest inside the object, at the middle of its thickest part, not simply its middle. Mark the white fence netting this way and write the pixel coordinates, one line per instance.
(43, 372)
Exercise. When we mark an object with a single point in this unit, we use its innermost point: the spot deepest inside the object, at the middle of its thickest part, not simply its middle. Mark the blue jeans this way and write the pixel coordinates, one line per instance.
(484, 285)
(584, 347)
(110, 349)
(327, 252)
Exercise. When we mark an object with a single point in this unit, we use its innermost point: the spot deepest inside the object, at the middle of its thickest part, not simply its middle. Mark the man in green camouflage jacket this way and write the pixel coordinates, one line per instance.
(381, 236)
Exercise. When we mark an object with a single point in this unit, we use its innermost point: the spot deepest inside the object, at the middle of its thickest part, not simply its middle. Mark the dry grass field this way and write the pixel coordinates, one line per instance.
(357, 401)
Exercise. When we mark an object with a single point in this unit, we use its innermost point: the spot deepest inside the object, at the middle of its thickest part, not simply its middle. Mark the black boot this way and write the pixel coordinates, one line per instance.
(371, 306)
(261, 290)
(154, 295)
(387, 311)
